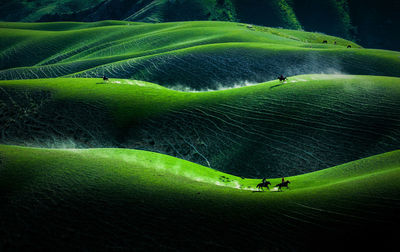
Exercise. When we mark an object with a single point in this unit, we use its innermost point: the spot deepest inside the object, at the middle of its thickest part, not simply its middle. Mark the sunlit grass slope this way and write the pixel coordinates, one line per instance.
(181, 53)
(309, 123)
(130, 199)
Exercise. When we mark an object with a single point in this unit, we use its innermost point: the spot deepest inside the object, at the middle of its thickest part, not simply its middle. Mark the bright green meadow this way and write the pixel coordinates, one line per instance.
(144, 191)
(166, 154)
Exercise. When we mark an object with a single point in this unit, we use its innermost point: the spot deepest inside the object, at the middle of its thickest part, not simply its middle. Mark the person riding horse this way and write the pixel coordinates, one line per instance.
(283, 184)
(282, 78)
(264, 183)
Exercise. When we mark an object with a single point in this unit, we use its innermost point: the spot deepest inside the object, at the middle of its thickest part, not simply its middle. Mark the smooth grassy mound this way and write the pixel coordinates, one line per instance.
(129, 199)
(350, 19)
(191, 54)
(273, 129)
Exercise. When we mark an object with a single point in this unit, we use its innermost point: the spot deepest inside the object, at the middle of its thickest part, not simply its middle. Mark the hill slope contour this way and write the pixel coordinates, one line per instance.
(136, 190)
(350, 19)
(273, 129)
(197, 55)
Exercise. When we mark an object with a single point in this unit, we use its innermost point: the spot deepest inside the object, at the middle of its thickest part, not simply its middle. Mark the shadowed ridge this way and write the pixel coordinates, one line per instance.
(89, 189)
(309, 123)
(183, 54)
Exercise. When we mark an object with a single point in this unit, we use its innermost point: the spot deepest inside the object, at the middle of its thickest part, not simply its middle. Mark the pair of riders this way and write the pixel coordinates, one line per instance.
(265, 183)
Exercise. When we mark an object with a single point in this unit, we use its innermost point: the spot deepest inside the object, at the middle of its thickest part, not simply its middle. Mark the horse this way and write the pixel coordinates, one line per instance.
(349, 46)
(105, 78)
(283, 184)
(325, 42)
(282, 78)
(264, 184)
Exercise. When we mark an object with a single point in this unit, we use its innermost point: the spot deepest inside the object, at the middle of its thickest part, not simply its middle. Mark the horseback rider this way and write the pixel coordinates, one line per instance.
(264, 183)
(283, 184)
(282, 78)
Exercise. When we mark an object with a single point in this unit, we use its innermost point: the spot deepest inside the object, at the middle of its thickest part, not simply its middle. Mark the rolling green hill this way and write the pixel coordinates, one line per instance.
(125, 199)
(310, 123)
(198, 55)
(373, 24)
(167, 153)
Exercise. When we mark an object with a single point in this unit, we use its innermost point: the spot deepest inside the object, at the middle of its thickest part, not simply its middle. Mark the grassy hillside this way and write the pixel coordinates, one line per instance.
(330, 16)
(167, 153)
(379, 28)
(198, 55)
(95, 10)
(276, 13)
(29, 11)
(126, 199)
(373, 24)
(272, 129)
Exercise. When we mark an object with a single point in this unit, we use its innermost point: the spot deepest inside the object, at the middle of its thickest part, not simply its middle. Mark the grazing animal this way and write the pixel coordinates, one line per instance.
(282, 78)
(263, 184)
(325, 42)
(349, 46)
(105, 78)
(283, 184)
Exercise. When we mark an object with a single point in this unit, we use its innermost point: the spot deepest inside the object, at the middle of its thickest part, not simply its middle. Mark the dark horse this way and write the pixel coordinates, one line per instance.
(283, 184)
(263, 184)
(282, 78)
(349, 46)
(105, 78)
(325, 42)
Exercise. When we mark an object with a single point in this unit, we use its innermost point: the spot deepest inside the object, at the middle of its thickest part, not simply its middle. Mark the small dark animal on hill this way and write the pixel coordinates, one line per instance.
(334, 43)
(349, 46)
(105, 78)
(325, 42)
(283, 184)
(282, 78)
(263, 184)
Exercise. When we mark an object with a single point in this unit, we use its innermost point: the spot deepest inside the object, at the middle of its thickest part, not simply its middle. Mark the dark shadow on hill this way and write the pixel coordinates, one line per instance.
(275, 86)
(267, 134)
(352, 19)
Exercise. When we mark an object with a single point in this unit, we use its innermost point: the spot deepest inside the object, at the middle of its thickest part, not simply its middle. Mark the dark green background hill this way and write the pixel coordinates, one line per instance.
(370, 23)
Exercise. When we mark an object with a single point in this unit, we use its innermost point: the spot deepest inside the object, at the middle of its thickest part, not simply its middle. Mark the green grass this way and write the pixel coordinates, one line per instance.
(106, 186)
(132, 99)
(308, 128)
(61, 26)
(174, 54)
(121, 162)
(284, 128)
(30, 11)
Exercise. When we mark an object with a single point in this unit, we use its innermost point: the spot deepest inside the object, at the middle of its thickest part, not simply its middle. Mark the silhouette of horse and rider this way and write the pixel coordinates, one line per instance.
(265, 183)
(282, 78)
(283, 184)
